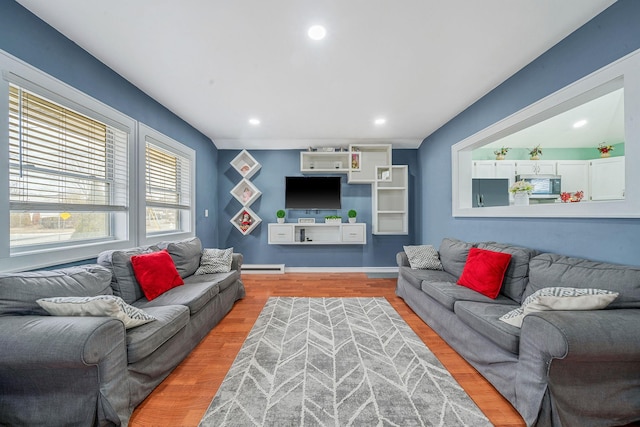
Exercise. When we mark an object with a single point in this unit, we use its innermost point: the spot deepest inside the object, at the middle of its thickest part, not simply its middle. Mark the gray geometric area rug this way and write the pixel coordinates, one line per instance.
(337, 362)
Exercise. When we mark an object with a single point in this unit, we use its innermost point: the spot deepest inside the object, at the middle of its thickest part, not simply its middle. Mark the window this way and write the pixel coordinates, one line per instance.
(66, 188)
(169, 186)
(67, 174)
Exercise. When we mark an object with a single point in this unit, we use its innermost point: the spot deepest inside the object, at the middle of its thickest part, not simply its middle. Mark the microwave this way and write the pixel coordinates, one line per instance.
(544, 186)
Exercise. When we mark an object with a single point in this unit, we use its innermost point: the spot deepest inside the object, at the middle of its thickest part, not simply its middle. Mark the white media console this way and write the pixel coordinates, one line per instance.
(318, 234)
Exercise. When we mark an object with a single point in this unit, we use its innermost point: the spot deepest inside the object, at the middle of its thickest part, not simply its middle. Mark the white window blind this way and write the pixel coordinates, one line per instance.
(167, 188)
(62, 162)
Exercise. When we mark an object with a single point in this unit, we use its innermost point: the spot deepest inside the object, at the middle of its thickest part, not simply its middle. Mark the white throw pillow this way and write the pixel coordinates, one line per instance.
(215, 261)
(98, 306)
(560, 298)
(423, 257)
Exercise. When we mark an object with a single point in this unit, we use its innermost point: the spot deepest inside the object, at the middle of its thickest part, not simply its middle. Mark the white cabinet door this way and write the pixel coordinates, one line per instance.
(536, 167)
(484, 168)
(607, 178)
(574, 175)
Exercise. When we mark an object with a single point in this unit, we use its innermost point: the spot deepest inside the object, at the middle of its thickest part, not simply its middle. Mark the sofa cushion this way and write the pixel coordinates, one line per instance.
(215, 261)
(484, 271)
(415, 277)
(453, 255)
(448, 293)
(123, 280)
(567, 299)
(551, 270)
(484, 319)
(185, 253)
(516, 277)
(19, 291)
(423, 257)
(195, 294)
(98, 306)
(156, 273)
(145, 339)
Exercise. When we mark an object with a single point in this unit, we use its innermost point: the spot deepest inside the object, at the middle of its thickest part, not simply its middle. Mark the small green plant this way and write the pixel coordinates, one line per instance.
(502, 151)
(333, 217)
(352, 213)
(535, 151)
(281, 213)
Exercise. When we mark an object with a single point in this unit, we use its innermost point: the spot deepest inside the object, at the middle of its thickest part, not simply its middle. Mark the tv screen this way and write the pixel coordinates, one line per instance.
(312, 192)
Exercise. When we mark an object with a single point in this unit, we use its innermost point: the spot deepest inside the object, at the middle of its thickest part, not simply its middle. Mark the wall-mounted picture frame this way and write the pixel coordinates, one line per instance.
(355, 161)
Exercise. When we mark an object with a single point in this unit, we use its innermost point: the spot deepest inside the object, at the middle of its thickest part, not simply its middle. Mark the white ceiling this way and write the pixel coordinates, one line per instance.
(217, 63)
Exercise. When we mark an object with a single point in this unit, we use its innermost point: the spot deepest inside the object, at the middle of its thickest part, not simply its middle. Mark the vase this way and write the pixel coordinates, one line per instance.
(352, 220)
(534, 157)
(521, 199)
(605, 155)
(280, 220)
(500, 157)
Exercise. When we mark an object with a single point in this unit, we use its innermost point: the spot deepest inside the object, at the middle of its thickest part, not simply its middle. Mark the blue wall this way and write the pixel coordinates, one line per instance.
(28, 38)
(608, 37)
(379, 251)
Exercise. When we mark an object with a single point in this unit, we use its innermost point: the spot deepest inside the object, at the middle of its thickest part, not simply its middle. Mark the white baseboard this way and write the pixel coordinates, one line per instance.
(262, 269)
(341, 269)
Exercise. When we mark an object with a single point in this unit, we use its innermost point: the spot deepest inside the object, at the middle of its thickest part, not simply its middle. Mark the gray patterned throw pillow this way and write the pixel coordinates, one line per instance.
(215, 261)
(101, 305)
(560, 298)
(423, 257)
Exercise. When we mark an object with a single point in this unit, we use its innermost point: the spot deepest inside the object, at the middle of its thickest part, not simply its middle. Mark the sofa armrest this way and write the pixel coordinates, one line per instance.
(236, 261)
(63, 371)
(402, 259)
(590, 335)
(53, 340)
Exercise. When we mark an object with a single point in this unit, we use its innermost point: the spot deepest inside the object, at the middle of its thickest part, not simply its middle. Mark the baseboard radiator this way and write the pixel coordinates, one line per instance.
(263, 268)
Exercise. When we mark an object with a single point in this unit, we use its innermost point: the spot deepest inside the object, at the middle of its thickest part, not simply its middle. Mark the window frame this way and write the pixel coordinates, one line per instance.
(187, 221)
(124, 229)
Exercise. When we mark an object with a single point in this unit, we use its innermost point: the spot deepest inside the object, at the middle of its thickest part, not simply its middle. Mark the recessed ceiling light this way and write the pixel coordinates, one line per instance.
(254, 122)
(579, 123)
(380, 121)
(317, 32)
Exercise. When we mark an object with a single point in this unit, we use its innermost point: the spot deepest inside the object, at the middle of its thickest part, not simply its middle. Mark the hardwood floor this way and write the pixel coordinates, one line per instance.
(183, 397)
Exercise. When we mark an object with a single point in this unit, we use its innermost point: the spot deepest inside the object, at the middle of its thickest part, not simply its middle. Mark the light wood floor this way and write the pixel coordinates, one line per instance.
(183, 397)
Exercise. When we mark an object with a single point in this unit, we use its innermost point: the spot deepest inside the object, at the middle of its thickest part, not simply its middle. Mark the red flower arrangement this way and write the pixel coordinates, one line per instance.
(568, 197)
(604, 148)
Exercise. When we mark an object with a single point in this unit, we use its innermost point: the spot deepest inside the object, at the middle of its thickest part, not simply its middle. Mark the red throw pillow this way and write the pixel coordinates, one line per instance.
(156, 273)
(484, 270)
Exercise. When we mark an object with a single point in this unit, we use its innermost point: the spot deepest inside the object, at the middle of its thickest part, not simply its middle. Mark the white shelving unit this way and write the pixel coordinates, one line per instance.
(324, 162)
(245, 192)
(364, 158)
(391, 200)
(318, 234)
(245, 164)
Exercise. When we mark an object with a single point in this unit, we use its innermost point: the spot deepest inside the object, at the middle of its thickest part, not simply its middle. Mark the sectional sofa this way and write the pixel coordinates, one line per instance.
(566, 365)
(95, 369)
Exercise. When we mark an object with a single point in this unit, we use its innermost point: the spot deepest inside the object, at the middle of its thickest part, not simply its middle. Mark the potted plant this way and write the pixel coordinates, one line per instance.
(535, 152)
(333, 219)
(280, 214)
(604, 149)
(521, 191)
(501, 153)
(352, 215)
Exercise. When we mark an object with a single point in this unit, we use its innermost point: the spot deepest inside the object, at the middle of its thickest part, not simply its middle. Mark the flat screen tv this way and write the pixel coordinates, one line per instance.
(312, 192)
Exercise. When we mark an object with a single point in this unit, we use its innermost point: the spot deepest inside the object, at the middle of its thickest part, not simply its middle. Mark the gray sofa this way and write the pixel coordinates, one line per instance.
(91, 371)
(561, 368)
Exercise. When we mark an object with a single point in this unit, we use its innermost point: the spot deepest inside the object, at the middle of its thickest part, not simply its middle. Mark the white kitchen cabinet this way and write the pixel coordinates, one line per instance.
(574, 175)
(607, 178)
(535, 167)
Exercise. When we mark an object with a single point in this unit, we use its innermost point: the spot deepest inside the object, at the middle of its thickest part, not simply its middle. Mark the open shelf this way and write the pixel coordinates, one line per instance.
(237, 221)
(245, 164)
(324, 162)
(245, 192)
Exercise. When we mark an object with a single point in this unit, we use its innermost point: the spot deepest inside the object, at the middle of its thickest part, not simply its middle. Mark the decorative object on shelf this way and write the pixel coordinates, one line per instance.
(355, 161)
(571, 198)
(604, 149)
(535, 152)
(245, 221)
(280, 214)
(501, 153)
(333, 219)
(306, 220)
(521, 191)
(352, 215)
